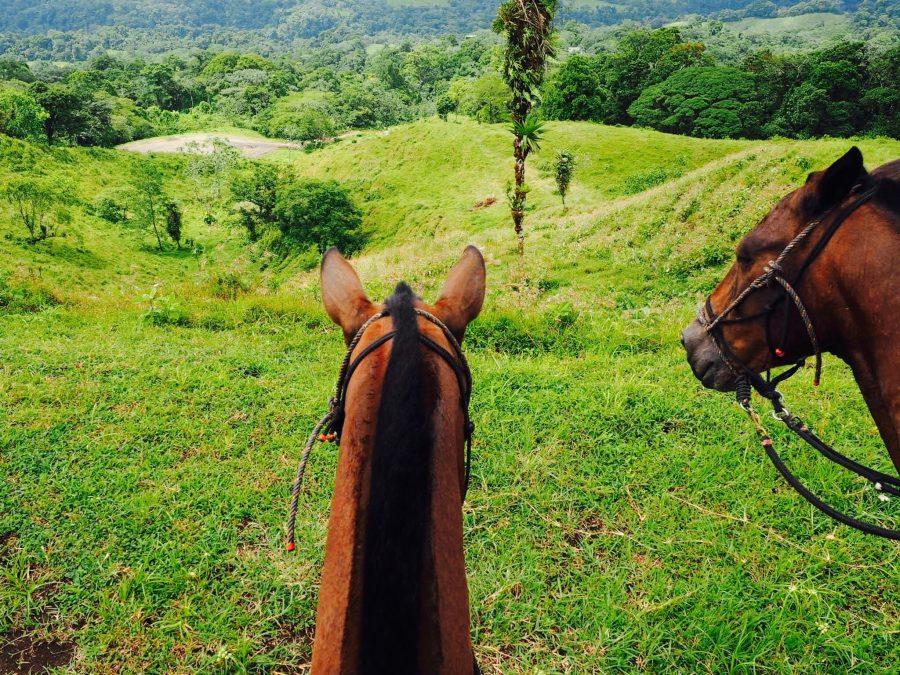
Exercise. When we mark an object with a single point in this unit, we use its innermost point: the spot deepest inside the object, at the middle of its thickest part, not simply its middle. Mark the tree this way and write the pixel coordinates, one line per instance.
(319, 213)
(173, 222)
(11, 69)
(147, 182)
(575, 91)
(804, 112)
(710, 102)
(20, 115)
(309, 116)
(644, 58)
(368, 104)
(33, 201)
(528, 28)
(258, 186)
(484, 98)
(209, 168)
(444, 105)
(563, 169)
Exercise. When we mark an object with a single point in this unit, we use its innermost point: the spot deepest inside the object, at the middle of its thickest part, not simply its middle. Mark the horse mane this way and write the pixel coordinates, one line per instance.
(399, 509)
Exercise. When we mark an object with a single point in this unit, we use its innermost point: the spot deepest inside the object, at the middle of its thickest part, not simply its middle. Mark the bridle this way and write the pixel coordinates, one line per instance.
(329, 428)
(773, 276)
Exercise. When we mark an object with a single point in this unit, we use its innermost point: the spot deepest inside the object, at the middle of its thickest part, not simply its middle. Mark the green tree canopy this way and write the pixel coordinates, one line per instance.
(706, 101)
(319, 213)
(575, 91)
(20, 115)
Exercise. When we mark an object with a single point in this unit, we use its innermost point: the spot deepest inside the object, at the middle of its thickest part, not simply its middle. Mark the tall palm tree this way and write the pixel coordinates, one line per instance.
(528, 27)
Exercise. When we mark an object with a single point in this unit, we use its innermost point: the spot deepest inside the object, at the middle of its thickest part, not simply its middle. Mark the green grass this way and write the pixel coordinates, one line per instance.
(620, 517)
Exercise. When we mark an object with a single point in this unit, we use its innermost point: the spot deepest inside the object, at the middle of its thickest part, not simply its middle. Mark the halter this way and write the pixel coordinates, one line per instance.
(329, 428)
(749, 380)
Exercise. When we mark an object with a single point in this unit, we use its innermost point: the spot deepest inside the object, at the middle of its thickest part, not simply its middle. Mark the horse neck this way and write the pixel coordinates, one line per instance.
(369, 589)
(863, 310)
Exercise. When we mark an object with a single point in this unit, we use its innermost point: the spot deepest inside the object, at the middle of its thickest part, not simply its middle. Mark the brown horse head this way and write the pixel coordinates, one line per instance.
(393, 597)
(846, 282)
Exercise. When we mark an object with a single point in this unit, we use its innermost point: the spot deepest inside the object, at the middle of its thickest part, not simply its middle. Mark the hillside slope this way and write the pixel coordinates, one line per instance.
(619, 518)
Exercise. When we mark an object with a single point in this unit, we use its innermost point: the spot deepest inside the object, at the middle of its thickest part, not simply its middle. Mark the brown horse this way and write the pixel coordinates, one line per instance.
(848, 288)
(393, 597)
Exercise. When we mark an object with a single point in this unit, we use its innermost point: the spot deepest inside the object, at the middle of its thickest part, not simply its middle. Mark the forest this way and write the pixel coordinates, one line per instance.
(651, 78)
(308, 17)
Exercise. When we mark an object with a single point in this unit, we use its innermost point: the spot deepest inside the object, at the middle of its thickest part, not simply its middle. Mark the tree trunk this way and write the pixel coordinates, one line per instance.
(519, 195)
(159, 244)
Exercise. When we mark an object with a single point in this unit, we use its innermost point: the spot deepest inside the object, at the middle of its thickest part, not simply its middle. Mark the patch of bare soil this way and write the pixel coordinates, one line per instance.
(203, 143)
(22, 653)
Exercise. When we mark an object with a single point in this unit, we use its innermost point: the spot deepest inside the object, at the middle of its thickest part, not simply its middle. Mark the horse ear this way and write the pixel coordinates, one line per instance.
(463, 292)
(343, 294)
(840, 178)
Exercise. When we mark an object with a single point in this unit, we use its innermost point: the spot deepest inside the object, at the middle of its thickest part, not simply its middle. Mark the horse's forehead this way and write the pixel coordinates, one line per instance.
(782, 221)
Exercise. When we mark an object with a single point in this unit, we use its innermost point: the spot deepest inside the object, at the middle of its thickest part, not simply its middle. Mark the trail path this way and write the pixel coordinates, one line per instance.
(249, 147)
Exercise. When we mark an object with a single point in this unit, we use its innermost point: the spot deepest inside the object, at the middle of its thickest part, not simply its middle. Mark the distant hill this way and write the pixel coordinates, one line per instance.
(307, 18)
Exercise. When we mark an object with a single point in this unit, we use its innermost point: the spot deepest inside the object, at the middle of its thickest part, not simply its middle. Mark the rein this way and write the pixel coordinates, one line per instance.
(330, 426)
(749, 380)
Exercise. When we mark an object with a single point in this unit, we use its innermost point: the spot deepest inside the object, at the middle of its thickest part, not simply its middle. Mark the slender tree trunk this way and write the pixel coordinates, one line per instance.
(519, 196)
(159, 244)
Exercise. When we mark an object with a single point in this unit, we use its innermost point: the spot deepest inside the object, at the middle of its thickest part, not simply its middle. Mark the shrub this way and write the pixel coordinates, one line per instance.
(228, 285)
(24, 298)
(37, 203)
(111, 207)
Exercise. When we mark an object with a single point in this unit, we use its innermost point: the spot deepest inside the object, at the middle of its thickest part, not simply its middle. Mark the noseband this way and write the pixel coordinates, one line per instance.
(773, 275)
(748, 380)
(331, 425)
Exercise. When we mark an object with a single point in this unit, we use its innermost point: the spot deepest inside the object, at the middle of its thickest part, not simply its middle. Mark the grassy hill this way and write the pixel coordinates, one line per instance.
(620, 517)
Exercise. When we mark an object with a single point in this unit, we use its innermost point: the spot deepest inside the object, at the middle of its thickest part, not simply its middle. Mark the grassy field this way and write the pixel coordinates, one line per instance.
(620, 517)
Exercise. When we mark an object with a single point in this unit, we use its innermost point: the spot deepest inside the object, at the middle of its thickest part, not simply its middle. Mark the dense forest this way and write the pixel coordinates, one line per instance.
(312, 16)
(653, 78)
(78, 30)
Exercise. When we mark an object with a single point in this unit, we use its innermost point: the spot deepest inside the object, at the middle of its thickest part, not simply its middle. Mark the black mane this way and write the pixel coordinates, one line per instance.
(396, 531)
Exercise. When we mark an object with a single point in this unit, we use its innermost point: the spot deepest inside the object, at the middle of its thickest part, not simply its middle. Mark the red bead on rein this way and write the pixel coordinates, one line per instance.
(291, 546)
(779, 352)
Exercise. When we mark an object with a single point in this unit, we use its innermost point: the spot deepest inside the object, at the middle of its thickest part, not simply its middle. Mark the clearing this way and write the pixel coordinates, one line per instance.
(249, 146)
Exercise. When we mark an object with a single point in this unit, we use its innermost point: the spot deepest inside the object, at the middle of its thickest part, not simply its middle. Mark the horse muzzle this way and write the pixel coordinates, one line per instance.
(705, 360)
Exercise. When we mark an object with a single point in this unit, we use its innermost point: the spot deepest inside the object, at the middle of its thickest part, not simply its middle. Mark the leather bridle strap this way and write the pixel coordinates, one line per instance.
(330, 426)
(749, 380)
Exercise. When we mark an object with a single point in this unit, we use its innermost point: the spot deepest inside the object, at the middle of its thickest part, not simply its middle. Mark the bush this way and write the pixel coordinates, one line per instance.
(319, 213)
(24, 298)
(111, 207)
(229, 285)
(38, 204)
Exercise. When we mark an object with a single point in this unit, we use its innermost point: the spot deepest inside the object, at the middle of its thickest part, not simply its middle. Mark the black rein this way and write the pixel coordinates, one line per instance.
(749, 380)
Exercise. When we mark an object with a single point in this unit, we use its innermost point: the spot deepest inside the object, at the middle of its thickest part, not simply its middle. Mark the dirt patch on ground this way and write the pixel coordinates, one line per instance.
(22, 653)
(249, 147)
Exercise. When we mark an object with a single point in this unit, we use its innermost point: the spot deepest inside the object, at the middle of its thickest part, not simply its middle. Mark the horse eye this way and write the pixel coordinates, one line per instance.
(744, 259)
